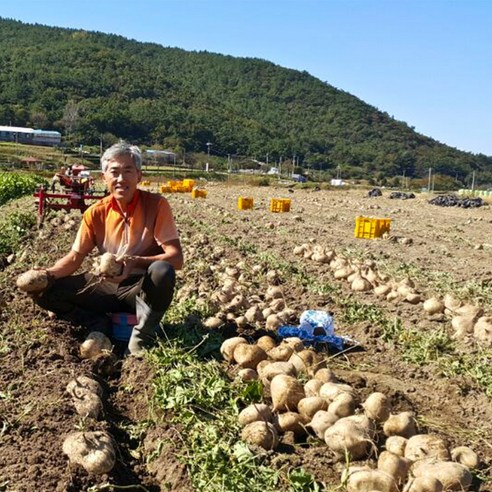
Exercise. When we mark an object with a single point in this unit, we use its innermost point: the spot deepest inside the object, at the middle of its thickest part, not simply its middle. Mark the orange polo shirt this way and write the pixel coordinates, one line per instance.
(147, 225)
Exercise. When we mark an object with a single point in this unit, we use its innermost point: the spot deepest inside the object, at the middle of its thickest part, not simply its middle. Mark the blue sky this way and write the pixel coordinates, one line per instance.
(426, 62)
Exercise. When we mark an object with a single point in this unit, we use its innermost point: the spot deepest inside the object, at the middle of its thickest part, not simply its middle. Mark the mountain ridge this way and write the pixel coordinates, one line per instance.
(90, 84)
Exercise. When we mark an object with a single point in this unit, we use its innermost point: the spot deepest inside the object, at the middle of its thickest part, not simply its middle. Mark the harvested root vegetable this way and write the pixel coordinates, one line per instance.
(33, 281)
(413, 298)
(453, 476)
(88, 404)
(308, 406)
(281, 353)
(286, 393)
(382, 290)
(248, 356)
(326, 375)
(343, 405)
(329, 391)
(312, 387)
(466, 457)
(273, 322)
(433, 306)
(470, 310)
(94, 451)
(462, 325)
(451, 303)
(228, 346)
(254, 413)
(423, 484)
(266, 342)
(402, 424)
(213, 323)
(396, 445)
(82, 384)
(377, 407)
(263, 434)
(321, 421)
(109, 265)
(351, 434)
(291, 422)
(426, 447)
(360, 284)
(294, 342)
(269, 371)
(96, 343)
(307, 362)
(395, 466)
(248, 375)
(274, 292)
(367, 480)
(483, 330)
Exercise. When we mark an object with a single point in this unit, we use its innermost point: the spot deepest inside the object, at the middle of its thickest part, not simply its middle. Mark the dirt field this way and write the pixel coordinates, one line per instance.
(443, 250)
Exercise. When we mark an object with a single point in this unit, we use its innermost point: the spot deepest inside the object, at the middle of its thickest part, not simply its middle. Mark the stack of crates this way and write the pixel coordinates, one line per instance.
(245, 203)
(280, 205)
(196, 193)
(177, 187)
(370, 228)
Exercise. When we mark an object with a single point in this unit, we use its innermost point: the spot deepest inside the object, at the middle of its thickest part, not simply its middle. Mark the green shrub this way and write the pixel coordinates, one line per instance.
(15, 227)
(15, 185)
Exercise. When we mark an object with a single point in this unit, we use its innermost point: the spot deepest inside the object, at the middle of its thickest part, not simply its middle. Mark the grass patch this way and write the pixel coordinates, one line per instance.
(204, 405)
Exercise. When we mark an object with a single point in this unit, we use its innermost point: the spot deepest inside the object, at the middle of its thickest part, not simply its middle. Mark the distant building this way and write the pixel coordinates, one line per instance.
(337, 182)
(29, 136)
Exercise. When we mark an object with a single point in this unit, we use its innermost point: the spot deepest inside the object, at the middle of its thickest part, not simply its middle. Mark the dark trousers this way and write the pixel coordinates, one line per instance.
(86, 293)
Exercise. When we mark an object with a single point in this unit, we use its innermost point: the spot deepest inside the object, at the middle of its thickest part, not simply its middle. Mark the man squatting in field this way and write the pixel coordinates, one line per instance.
(128, 221)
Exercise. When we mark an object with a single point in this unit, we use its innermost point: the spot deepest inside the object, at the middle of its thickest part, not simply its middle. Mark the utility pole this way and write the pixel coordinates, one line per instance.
(429, 181)
(473, 182)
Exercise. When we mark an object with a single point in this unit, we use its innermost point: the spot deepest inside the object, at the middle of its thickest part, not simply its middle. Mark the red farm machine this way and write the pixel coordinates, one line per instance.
(77, 187)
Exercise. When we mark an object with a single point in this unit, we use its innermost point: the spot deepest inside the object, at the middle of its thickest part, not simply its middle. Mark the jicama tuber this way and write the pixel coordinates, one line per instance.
(33, 281)
(92, 450)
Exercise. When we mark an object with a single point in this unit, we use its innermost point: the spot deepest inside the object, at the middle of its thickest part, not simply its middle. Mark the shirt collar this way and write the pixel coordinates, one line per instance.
(130, 207)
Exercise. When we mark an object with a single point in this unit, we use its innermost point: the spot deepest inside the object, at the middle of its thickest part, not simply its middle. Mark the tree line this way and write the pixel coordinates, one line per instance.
(93, 86)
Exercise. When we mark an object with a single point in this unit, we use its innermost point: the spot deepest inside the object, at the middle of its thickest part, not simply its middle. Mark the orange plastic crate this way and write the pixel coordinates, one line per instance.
(280, 205)
(370, 228)
(245, 203)
(165, 189)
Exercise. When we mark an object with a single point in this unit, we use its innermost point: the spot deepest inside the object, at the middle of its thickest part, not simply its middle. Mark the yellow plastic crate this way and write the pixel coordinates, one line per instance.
(245, 203)
(188, 184)
(369, 228)
(196, 193)
(145, 183)
(165, 189)
(280, 205)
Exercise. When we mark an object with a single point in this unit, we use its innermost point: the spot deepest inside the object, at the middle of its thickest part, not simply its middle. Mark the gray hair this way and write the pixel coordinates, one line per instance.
(122, 148)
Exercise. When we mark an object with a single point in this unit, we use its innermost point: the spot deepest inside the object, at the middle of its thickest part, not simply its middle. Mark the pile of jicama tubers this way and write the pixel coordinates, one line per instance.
(95, 450)
(363, 276)
(332, 411)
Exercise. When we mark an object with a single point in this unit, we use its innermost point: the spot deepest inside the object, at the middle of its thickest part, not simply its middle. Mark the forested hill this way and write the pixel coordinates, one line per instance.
(89, 84)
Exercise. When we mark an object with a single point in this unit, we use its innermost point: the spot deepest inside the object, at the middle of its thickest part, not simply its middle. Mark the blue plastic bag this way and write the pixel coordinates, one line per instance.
(315, 327)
